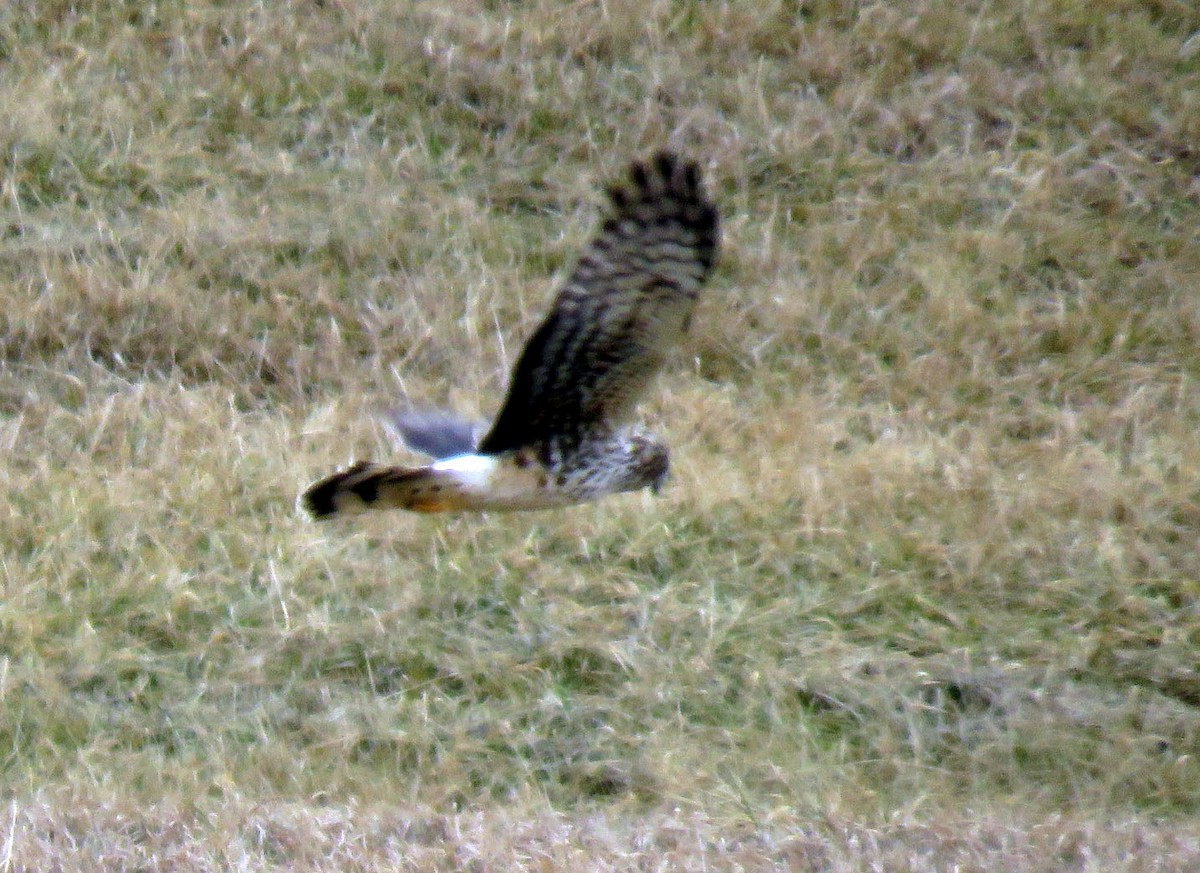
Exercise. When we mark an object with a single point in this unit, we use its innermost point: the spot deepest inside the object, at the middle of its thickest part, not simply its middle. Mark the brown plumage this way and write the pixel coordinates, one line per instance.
(562, 434)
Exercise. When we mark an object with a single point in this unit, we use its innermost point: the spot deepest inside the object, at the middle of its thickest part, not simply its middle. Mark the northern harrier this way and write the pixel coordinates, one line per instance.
(562, 435)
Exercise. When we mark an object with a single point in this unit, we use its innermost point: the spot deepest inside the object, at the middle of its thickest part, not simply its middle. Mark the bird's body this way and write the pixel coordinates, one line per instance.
(462, 482)
(520, 479)
(562, 436)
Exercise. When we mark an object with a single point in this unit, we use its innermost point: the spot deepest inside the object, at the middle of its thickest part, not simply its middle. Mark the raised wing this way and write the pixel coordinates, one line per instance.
(628, 300)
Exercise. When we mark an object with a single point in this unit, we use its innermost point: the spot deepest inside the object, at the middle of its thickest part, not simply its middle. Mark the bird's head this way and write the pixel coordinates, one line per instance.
(652, 462)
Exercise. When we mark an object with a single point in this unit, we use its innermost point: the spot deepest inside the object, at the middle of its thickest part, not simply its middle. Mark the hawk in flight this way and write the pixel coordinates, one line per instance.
(563, 434)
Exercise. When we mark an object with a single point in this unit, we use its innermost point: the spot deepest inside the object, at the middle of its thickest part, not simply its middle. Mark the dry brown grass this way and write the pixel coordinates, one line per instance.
(243, 835)
(922, 591)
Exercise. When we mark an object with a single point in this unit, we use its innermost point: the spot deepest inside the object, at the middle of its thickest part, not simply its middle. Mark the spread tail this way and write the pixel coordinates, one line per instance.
(366, 486)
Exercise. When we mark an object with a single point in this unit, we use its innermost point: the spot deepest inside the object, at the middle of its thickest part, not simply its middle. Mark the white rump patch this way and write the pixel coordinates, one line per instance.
(473, 471)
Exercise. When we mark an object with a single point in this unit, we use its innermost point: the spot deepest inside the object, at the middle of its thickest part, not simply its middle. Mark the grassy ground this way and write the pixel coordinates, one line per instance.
(922, 590)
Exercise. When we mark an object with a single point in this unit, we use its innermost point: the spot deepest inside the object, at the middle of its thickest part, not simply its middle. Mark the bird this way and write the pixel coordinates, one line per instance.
(563, 434)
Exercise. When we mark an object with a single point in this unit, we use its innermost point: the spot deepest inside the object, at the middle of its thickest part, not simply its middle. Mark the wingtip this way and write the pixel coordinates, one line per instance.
(666, 161)
(665, 169)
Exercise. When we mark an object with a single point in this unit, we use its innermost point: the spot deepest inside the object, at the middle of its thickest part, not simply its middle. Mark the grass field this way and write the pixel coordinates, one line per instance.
(922, 593)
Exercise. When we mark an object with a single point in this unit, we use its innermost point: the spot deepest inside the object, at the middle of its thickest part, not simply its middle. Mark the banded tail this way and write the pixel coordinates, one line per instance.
(366, 486)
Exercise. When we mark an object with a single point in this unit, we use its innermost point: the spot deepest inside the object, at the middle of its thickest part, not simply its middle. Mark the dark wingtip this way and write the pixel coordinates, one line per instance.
(665, 161)
(691, 176)
(640, 176)
(665, 168)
